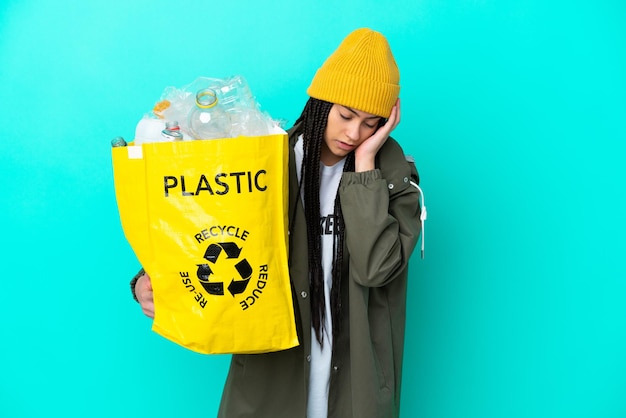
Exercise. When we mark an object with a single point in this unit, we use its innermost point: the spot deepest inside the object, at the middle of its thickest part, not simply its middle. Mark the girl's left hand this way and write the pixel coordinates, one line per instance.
(365, 154)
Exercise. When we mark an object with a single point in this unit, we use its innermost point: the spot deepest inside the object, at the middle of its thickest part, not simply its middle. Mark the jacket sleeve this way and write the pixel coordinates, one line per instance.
(381, 212)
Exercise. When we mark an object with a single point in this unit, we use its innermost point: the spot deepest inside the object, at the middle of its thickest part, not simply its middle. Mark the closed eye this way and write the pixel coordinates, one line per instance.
(349, 117)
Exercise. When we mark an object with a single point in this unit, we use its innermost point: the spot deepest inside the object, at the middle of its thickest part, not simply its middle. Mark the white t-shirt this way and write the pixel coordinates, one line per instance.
(317, 406)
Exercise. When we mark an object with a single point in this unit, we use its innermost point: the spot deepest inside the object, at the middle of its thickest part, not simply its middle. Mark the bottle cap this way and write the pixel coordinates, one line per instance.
(118, 141)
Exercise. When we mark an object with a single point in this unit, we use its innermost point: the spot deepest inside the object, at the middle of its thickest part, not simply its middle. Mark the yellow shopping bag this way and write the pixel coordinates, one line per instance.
(207, 219)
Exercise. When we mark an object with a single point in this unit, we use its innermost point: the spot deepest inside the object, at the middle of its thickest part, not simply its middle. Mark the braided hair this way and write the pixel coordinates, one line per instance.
(314, 119)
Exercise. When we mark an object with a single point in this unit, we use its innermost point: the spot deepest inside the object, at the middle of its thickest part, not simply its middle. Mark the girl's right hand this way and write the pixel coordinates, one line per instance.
(143, 291)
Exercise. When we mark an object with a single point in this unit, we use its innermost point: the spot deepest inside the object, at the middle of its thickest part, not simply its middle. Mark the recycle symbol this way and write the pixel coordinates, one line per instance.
(212, 255)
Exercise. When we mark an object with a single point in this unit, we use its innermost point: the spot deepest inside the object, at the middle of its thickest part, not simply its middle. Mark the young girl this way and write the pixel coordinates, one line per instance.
(354, 221)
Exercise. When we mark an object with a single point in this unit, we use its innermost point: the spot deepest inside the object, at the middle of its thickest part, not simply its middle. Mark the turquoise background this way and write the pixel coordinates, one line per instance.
(515, 112)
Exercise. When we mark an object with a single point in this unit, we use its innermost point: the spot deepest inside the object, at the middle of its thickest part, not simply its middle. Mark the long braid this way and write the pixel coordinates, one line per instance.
(314, 119)
(339, 234)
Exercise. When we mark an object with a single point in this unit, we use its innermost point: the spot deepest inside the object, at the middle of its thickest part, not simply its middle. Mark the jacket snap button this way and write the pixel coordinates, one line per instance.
(390, 186)
(303, 294)
(335, 368)
(406, 179)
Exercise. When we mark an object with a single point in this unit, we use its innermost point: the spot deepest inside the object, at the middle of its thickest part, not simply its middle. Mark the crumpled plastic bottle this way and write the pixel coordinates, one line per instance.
(238, 101)
(247, 122)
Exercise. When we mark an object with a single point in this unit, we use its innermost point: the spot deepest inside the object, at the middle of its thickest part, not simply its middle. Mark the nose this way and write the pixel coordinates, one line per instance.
(353, 131)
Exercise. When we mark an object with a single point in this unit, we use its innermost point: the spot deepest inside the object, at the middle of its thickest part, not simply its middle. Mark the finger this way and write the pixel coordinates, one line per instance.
(392, 121)
(148, 310)
(396, 114)
(398, 111)
(144, 294)
(145, 282)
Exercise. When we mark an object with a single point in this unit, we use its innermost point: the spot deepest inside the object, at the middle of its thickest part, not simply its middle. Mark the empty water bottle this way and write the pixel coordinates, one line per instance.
(207, 120)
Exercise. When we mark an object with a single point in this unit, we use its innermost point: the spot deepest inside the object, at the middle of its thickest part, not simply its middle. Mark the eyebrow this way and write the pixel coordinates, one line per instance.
(355, 112)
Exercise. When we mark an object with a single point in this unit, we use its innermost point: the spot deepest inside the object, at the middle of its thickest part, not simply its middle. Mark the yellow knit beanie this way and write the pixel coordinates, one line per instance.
(361, 74)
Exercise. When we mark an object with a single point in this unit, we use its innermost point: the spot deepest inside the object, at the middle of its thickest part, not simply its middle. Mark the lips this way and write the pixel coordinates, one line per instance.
(344, 146)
